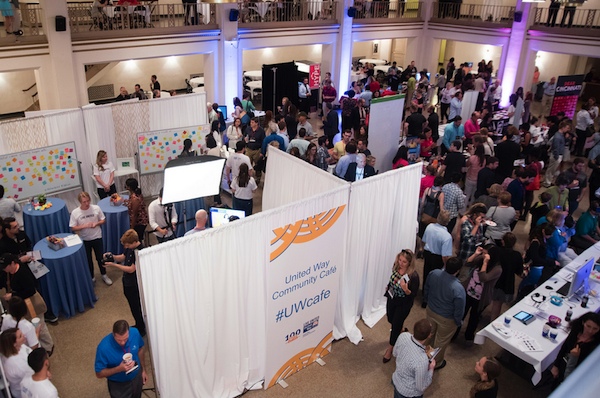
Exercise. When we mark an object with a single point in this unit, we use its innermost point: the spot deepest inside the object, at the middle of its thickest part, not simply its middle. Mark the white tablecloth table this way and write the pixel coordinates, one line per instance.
(373, 61)
(198, 89)
(254, 85)
(261, 7)
(541, 360)
(110, 11)
(197, 81)
(253, 74)
(356, 76)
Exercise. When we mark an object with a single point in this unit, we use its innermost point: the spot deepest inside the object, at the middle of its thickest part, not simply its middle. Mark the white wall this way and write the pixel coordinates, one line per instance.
(552, 64)
(471, 52)
(255, 59)
(12, 84)
(171, 72)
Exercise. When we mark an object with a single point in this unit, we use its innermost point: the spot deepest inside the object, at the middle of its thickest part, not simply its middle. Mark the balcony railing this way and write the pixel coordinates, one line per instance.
(287, 11)
(567, 17)
(142, 19)
(473, 14)
(397, 10)
(31, 25)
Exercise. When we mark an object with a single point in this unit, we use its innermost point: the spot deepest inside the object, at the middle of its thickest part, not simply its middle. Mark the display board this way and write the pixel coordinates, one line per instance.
(384, 129)
(566, 95)
(156, 148)
(40, 171)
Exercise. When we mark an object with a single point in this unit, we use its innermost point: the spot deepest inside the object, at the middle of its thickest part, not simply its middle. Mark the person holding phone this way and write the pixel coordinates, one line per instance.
(401, 292)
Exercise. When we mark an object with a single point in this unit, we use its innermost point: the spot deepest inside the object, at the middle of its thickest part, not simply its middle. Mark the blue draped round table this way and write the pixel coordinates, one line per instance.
(39, 224)
(117, 222)
(187, 222)
(67, 287)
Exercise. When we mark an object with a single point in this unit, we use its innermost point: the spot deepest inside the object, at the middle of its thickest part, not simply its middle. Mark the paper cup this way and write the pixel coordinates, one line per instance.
(36, 322)
(128, 357)
(507, 320)
(553, 334)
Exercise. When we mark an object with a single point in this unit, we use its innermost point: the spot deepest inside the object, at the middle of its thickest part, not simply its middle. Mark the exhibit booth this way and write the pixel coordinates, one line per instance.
(245, 305)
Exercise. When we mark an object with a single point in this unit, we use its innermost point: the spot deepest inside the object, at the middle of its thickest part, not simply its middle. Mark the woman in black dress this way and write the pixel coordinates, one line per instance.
(401, 292)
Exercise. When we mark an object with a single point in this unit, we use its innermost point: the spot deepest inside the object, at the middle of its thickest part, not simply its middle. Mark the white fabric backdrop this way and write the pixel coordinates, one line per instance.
(205, 300)
(306, 180)
(178, 111)
(383, 214)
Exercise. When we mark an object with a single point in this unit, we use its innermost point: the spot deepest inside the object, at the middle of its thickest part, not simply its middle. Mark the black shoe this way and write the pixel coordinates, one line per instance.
(441, 365)
(52, 320)
(423, 305)
(18, 33)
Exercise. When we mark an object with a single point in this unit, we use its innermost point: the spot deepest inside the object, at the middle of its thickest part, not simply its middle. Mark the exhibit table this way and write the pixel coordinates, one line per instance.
(538, 303)
(41, 223)
(68, 287)
(187, 221)
(253, 74)
(117, 222)
(356, 76)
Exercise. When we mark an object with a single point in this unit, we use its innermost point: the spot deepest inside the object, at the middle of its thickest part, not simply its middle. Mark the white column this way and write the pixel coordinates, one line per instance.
(57, 84)
(511, 55)
(343, 61)
(229, 84)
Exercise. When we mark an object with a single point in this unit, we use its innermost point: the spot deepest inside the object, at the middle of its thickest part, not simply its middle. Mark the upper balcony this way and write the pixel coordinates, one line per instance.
(567, 21)
(147, 19)
(373, 12)
(477, 15)
(280, 14)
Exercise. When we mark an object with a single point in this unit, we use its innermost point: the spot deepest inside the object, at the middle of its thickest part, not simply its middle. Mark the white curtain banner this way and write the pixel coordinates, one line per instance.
(307, 180)
(306, 258)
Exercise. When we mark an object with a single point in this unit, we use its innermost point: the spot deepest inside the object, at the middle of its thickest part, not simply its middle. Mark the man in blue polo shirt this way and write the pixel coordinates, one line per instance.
(110, 363)
(453, 131)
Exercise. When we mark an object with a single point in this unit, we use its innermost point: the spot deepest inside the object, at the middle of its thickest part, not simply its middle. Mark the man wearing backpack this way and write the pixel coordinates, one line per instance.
(438, 246)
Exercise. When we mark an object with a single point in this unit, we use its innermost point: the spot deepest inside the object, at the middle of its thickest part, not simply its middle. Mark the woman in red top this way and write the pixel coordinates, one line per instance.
(427, 144)
(401, 158)
(535, 165)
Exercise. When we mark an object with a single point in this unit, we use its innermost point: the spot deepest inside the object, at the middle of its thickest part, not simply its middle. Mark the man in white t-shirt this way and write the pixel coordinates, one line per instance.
(38, 385)
(232, 166)
(86, 221)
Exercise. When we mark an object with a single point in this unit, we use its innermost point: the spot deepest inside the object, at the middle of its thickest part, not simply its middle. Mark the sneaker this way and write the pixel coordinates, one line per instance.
(52, 320)
(107, 280)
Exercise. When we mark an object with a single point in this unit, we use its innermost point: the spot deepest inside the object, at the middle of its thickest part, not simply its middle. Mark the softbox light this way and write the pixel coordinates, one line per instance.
(192, 177)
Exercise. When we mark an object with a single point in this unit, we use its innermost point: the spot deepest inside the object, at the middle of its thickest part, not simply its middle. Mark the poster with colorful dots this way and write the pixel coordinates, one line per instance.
(40, 171)
(156, 148)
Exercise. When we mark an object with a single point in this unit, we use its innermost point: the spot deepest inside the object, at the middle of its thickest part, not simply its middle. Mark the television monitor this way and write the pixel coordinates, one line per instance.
(220, 216)
(223, 109)
(579, 283)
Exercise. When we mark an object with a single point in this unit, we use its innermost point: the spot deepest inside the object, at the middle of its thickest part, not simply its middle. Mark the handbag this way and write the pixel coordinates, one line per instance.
(249, 111)
(36, 305)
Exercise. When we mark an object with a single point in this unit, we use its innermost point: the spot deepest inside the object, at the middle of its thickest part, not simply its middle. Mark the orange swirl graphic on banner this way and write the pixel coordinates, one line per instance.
(303, 359)
(304, 230)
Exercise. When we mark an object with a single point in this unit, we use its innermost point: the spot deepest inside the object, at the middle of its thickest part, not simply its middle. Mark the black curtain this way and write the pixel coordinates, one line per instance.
(286, 84)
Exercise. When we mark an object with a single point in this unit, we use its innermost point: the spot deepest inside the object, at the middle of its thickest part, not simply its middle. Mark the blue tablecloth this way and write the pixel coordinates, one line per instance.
(67, 287)
(187, 222)
(52, 221)
(117, 222)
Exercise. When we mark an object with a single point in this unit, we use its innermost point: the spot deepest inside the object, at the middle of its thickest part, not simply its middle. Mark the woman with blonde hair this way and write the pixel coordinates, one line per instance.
(104, 174)
(401, 292)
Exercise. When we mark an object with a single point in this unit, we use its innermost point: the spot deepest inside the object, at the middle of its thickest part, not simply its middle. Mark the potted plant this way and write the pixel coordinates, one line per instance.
(41, 199)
